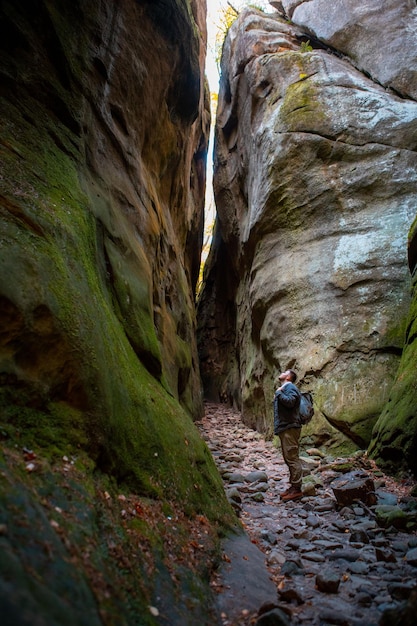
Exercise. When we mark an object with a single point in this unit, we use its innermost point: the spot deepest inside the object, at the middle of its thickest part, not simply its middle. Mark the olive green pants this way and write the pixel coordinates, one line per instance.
(290, 445)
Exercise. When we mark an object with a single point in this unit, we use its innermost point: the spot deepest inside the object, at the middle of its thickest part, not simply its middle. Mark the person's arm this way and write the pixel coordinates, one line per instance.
(288, 395)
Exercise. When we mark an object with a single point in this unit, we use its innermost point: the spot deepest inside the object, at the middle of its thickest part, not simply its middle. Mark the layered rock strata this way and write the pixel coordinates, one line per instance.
(315, 183)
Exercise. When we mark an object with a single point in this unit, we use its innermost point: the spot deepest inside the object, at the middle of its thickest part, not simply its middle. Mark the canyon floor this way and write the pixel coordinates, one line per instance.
(311, 561)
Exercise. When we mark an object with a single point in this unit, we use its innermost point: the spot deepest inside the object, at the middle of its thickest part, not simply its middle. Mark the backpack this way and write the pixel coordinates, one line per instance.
(306, 407)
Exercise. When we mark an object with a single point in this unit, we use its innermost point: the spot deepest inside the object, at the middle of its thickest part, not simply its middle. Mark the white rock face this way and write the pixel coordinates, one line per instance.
(316, 183)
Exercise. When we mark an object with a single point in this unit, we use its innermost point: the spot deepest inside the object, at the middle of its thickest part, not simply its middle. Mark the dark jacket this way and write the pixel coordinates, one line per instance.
(286, 408)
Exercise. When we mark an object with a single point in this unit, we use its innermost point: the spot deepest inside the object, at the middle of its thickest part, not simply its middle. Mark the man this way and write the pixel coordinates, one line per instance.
(287, 425)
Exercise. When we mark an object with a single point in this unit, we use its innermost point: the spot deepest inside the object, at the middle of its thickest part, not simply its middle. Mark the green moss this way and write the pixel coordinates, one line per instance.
(57, 431)
(301, 107)
(395, 334)
(306, 47)
(388, 516)
(412, 233)
(133, 303)
(78, 554)
(133, 428)
(394, 438)
(358, 422)
(83, 380)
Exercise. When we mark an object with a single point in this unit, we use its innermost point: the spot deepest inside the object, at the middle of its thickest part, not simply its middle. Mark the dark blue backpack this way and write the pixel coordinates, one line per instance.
(306, 407)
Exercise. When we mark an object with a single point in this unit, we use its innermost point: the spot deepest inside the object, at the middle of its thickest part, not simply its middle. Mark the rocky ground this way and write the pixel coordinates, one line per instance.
(314, 561)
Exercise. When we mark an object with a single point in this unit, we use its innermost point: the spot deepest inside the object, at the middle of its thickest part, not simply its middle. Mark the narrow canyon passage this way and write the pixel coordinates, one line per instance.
(313, 560)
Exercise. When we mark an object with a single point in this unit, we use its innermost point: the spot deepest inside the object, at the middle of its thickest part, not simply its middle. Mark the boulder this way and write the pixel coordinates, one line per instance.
(389, 515)
(359, 30)
(353, 487)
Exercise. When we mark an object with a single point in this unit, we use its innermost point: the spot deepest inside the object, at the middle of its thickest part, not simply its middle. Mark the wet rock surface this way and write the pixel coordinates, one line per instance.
(329, 563)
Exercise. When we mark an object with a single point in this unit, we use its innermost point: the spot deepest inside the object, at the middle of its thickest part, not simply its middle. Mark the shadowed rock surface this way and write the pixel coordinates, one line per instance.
(315, 182)
(104, 129)
(103, 151)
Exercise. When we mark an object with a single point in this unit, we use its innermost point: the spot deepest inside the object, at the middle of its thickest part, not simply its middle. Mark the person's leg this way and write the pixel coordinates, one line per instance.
(290, 439)
(283, 440)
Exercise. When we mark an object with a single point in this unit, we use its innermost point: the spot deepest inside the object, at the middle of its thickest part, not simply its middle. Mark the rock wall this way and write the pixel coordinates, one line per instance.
(105, 128)
(315, 183)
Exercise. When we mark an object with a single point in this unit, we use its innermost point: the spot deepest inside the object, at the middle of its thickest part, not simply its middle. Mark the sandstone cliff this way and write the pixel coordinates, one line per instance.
(104, 129)
(315, 182)
(103, 151)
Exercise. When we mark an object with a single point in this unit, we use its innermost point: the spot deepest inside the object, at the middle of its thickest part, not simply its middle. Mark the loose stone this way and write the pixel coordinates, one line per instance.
(253, 477)
(411, 556)
(289, 593)
(327, 616)
(233, 494)
(276, 558)
(236, 478)
(385, 555)
(313, 521)
(314, 556)
(328, 545)
(328, 581)
(258, 497)
(346, 555)
(399, 591)
(292, 568)
(275, 617)
(268, 536)
(364, 599)
(358, 567)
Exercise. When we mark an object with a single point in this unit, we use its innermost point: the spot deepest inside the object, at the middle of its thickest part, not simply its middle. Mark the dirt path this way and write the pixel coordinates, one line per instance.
(311, 561)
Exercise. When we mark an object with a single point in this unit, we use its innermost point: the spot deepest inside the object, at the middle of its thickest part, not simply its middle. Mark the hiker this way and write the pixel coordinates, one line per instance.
(287, 425)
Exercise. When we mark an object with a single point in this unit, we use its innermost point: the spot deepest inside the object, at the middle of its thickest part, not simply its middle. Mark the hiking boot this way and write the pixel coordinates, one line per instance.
(293, 493)
(286, 492)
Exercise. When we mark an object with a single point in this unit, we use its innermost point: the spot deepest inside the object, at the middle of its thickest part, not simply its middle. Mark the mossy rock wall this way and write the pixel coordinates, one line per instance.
(104, 129)
(394, 437)
(101, 199)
